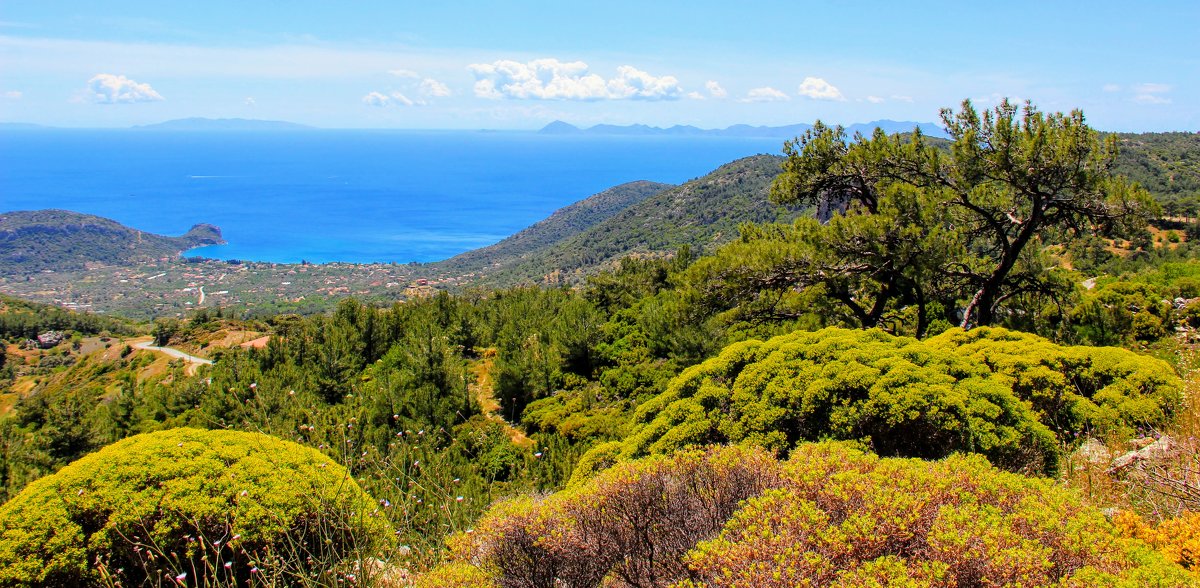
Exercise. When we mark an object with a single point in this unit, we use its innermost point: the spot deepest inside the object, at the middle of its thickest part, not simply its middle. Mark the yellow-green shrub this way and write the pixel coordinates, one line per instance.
(832, 515)
(187, 501)
(844, 516)
(995, 392)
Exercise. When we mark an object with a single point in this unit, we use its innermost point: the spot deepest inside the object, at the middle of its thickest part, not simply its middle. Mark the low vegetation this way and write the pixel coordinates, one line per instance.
(829, 516)
(194, 506)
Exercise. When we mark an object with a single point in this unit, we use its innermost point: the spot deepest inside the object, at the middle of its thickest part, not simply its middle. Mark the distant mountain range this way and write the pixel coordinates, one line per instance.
(224, 124)
(559, 127)
(61, 240)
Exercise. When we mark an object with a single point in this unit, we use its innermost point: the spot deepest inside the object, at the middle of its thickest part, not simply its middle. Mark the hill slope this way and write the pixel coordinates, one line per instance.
(701, 214)
(564, 223)
(60, 240)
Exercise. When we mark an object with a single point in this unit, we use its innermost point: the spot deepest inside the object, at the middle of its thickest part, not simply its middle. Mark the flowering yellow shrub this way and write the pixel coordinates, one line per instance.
(187, 504)
(832, 515)
(1177, 538)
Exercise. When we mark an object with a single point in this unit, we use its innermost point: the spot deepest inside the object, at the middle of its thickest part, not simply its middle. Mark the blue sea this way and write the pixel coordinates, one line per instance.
(326, 195)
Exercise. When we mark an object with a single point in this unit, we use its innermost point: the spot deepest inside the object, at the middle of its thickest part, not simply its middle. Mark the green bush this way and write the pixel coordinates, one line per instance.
(207, 506)
(830, 516)
(999, 393)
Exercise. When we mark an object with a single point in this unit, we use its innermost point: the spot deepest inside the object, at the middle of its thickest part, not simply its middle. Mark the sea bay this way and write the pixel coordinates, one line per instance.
(339, 195)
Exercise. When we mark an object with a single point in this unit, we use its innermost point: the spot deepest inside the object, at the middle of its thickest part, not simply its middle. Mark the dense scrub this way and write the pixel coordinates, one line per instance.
(999, 393)
(206, 505)
(20, 319)
(830, 516)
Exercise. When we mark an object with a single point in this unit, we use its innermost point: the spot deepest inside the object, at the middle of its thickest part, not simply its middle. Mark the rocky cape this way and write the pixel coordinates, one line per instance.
(61, 240)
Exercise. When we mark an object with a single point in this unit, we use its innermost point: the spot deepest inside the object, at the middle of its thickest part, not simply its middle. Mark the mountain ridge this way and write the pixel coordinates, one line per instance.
(559, 127)
(198, 123)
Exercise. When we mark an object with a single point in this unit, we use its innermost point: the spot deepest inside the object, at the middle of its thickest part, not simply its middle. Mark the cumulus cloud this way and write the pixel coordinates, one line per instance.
(434, 89)
(635, 84)
(551, 79)
(874, 99)
(715, 90)
(114, 89)
(420, 89)
(1151, 93)
(765, 94)
(13, 94)
(819, 89)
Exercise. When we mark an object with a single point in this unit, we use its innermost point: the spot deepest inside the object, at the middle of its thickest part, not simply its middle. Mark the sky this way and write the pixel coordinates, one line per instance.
(457, 64)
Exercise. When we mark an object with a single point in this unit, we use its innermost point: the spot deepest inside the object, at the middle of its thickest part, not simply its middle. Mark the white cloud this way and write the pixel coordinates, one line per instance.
(765, 94)
(249, 101)
(13, 94)
(635, 84)
(1111, 87)
(400, 98)
(1151, 93)
(376, 99)
(715, 90)
(819, 89)
(695, 96)
(901, 98)
(381, 100)
(1152, 88)
(114, 89)
(433, 88)
(422, 91)
(1151, 99)
(875, 100)
(551, 79)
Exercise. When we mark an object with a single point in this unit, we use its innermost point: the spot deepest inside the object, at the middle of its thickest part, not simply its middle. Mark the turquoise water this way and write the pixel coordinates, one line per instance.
(354, 196)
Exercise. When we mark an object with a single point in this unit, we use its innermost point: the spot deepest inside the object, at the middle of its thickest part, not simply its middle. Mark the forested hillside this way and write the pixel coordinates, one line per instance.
(565, 223)
(700, 214)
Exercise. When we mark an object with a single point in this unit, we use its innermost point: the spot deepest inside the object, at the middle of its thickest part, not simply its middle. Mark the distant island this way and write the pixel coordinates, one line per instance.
(224, 124)
(559, 127)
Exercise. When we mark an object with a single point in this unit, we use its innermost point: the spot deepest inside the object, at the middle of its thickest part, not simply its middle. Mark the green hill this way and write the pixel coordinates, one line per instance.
(61, 240)
(700, 214)
(1166, 164)
(564, 223)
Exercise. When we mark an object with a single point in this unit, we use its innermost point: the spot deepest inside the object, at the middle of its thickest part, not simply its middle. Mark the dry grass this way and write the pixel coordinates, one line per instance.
(1164, 485)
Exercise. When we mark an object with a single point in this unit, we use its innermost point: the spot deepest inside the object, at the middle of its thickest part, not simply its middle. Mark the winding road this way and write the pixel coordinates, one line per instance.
(191, 359)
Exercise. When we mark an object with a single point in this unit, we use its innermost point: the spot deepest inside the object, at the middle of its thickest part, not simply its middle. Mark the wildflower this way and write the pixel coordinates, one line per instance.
(181, 577)
(459, 499)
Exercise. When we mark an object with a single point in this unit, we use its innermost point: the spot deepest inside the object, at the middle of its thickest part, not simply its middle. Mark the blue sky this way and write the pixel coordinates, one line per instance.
(520, 65)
